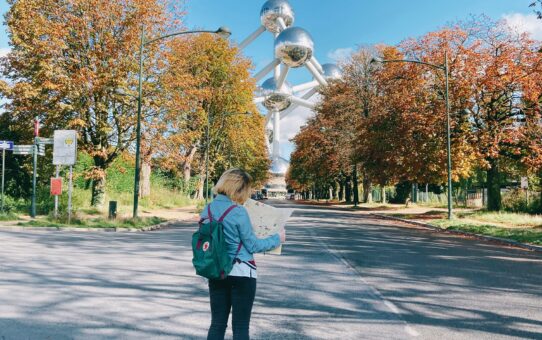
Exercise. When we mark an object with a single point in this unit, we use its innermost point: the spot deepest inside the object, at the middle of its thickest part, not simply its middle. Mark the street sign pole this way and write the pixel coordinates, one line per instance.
(3, 173)
(35, 154)
(70, 189)
(56, 196)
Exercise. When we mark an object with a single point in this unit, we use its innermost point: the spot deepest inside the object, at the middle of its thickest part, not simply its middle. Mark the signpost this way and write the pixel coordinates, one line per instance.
(65, 153)
(56, 189)
(23, 149)
(4, 145)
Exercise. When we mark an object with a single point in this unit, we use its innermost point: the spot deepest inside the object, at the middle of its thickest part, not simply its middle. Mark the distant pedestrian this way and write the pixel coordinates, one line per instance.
(237, 291)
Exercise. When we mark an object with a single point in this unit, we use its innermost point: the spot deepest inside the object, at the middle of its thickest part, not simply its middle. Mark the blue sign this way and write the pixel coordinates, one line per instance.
(6, 145)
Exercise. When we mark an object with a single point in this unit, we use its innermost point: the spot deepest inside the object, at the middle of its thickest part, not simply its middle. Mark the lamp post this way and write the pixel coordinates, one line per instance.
(222, 32)
(446, 69)
(207, 143)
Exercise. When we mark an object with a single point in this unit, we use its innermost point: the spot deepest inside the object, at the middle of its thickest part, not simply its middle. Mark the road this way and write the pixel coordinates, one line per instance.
(343, 275)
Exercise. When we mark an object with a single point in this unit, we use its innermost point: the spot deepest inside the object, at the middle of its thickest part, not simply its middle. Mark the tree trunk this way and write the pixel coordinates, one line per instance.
(187, 165)
(341, 191)
(355, 184)
(367, 190)
(145, 180)
(98, 192)
(348, 190)
(494, 202)
(383, 195)
(200, 189)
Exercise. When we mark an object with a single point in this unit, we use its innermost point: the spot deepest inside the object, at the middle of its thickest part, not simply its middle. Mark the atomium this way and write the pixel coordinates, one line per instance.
(294, 47)
(272, 10)
(276, 99)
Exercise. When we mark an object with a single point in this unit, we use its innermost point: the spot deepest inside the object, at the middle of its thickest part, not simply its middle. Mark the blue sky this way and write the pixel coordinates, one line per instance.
(338, 26)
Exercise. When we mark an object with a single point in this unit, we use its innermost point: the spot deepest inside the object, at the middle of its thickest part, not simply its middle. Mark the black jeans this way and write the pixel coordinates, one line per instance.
(236, 294)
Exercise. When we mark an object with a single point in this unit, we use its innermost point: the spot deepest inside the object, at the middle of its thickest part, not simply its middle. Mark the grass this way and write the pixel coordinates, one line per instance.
(525, 235)
(514, 226)
(9, 216)
(94, 223)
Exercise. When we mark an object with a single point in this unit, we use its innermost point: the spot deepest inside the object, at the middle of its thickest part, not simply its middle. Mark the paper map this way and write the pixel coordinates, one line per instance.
(267, 220)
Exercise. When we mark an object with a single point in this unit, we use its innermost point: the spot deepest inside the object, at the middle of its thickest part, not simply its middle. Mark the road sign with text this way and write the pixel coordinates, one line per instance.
(6, 145)
(23, 149)
(65, 147)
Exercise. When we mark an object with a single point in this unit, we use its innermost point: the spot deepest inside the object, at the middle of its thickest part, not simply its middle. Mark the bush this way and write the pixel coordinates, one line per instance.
(516, 201)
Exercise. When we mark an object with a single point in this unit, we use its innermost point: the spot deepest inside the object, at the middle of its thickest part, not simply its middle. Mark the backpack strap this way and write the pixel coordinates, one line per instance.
(225, 213)
(209, 215)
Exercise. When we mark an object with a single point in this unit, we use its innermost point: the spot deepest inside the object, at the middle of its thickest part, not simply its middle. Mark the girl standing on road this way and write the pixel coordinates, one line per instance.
(237, 291)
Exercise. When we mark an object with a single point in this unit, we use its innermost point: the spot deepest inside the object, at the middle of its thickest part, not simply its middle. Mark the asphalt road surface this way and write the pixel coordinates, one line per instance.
(342, 275)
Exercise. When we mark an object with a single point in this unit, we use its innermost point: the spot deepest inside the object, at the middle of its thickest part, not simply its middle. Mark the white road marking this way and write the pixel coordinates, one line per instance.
(408, 329)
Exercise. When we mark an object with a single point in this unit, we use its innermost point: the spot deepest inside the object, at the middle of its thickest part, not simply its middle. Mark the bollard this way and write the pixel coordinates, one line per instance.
(112, 210)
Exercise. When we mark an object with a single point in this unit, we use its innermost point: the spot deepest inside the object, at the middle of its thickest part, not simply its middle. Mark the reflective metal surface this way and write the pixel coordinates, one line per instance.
(276, 99)
(273, 9)
(294, 46)
(279, 166)
(332, 71)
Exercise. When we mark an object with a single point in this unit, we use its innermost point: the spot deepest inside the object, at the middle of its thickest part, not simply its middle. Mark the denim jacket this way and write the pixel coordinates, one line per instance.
(237, 228)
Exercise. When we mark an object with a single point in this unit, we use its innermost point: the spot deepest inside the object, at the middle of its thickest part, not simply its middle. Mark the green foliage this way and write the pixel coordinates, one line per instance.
(62, 222)
(516, 201)
(525, 235)
(8, 216)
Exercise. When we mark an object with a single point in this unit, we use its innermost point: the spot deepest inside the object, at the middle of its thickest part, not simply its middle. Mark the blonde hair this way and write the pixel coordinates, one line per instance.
(234, 183)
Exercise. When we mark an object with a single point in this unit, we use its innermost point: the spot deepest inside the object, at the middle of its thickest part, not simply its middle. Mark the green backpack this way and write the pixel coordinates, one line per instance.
(209, 248)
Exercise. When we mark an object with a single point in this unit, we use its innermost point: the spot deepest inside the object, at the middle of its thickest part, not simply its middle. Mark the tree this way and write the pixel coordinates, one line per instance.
(72, 63)
(208, 81)
(503, 69)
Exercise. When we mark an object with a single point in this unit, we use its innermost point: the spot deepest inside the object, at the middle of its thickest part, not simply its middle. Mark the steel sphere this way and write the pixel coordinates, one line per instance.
(276, 99)
(332, 71)
(274, 9)
(294, 46)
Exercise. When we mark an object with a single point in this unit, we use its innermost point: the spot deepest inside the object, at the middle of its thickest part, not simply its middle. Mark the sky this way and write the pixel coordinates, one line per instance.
(339, 26)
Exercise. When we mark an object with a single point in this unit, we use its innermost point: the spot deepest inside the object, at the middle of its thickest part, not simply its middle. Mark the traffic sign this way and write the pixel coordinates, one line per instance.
(41, 140)
(41, 149)
(65, 147)
(6, 145)
(56, 186)
(23, 149)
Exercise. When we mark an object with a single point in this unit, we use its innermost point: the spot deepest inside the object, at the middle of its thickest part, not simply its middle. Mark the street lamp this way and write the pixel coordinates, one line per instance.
(207, 142)
(223, 32)
(446, 69)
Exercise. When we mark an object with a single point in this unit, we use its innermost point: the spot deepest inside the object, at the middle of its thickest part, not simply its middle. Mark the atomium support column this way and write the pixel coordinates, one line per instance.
(276, 135)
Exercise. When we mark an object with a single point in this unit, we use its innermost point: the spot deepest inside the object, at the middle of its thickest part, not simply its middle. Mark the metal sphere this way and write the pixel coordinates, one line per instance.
(332, 71)
(276, 99)
(274, 9)
(294, 46)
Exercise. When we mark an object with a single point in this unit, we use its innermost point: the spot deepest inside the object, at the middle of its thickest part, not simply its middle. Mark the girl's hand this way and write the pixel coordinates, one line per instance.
(282, 235)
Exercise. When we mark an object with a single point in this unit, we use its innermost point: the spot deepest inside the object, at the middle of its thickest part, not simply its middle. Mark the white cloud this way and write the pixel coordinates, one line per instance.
(4, 51)
(525, 23)
(340, 54)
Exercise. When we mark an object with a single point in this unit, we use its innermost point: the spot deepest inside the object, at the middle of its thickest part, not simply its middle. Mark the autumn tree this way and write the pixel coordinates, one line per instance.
(503, 69)
(208, 81)
(72, 63)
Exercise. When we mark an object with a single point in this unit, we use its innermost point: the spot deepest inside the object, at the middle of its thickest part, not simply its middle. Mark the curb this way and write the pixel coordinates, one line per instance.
(155, 227)
(504, 241)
